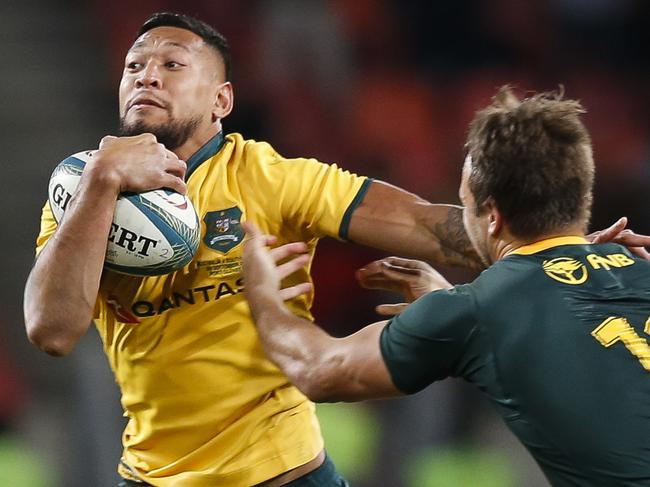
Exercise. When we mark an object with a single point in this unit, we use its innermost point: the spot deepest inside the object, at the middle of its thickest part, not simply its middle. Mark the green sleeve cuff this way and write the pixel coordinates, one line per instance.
(358, 199)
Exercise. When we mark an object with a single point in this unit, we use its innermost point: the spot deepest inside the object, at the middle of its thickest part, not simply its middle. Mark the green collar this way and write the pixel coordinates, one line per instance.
(208, 150)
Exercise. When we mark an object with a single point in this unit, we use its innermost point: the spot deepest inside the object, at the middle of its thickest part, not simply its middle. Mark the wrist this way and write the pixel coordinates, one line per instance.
(101, 177)
(265, 305)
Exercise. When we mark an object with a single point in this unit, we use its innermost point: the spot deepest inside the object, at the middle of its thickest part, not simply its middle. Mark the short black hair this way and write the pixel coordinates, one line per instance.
(533, 158)
(209, 34)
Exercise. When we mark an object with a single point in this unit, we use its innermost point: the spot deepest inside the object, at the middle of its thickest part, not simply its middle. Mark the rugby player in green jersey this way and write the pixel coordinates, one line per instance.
(555, 331)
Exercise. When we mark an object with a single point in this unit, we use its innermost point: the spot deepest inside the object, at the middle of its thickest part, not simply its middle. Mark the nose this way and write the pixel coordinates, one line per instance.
(148, 77)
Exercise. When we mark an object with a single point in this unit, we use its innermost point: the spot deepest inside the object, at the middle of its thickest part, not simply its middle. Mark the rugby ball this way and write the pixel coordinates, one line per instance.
(153, 233)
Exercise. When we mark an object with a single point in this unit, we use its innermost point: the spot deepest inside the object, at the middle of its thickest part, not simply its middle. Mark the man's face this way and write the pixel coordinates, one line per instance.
(169, 85)
(475, 226)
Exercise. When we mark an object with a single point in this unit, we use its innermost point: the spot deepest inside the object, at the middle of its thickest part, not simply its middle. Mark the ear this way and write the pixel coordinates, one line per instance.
(223, 102)
(495, 222)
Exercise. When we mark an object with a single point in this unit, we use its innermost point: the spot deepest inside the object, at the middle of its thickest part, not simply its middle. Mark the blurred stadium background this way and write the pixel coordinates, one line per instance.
(386, 88)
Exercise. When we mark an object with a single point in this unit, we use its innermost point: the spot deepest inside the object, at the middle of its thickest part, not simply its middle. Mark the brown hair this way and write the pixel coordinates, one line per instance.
(533, 158)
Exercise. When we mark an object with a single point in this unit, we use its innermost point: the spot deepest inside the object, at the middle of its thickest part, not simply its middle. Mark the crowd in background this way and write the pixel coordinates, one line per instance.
(386, 88)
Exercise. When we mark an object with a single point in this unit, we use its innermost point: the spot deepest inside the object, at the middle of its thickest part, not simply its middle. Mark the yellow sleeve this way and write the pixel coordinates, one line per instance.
(48, 226)
(316, 197)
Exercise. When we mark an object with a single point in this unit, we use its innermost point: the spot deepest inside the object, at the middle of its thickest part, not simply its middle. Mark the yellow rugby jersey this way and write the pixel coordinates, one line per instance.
(205, 405)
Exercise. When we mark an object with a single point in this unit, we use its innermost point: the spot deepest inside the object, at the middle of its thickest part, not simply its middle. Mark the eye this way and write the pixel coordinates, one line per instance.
(133, 66)
(173, 65)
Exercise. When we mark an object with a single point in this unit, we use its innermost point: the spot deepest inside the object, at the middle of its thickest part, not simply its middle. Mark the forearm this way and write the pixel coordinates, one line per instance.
(324, 368)
(445, 223)
(62, 287)
(394, 220)
(294, 344)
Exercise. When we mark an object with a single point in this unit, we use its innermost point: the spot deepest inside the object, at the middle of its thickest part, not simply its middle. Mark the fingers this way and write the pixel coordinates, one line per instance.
(256, 241)
(393, 274)
(175, 183)
(174, 173)
(252, 230)
(630, 239)
(292, 265)
(256, 254)
(384, 275)
(254, 233)
(640, 252)
(106, 140)
(295, 291)
(406, 264)
(278, 253)
(608, 234)
(140, 163)
(367, 271)
(288, 250)
(397, 264)
(619, 234)
(390, 309)
(175, 166)
(406, 271)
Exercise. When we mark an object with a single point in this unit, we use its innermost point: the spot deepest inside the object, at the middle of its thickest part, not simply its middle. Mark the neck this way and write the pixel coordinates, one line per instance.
(508, 243)
(198, 140)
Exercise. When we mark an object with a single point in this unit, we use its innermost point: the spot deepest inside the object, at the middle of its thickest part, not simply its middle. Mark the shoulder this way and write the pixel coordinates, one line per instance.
(449, 312)
(428, 340)
(263, 154)
(511, 272)
(250, 146)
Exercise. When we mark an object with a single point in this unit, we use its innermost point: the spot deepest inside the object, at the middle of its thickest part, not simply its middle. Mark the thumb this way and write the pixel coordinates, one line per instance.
(391, 309)
(106, 139)
(251, 229)
(255, 235)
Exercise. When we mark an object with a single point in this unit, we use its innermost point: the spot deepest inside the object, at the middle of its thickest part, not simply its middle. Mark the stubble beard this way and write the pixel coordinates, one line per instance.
(172, 134)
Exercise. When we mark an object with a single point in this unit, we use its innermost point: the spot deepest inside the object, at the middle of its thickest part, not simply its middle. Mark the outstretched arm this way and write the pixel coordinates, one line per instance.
(62, 287)
(324, 368)
(402, 223)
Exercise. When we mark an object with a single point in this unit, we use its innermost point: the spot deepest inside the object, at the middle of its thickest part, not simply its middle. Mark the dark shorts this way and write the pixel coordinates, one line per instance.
(324, 476)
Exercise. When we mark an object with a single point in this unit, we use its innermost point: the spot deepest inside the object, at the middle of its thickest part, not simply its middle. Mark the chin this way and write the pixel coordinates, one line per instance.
(146, 120)
(139, 125)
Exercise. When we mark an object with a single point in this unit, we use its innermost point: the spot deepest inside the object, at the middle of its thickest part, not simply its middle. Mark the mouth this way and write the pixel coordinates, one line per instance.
(142, 102)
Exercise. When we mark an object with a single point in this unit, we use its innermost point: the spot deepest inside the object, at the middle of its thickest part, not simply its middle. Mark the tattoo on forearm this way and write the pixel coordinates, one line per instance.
(454, 242)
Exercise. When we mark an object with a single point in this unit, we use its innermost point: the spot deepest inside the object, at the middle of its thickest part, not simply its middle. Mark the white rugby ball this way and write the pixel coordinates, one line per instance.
(153, 233)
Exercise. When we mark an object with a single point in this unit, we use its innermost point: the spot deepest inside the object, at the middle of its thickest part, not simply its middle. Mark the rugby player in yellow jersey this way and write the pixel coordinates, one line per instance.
(554, 331)
(205, 405)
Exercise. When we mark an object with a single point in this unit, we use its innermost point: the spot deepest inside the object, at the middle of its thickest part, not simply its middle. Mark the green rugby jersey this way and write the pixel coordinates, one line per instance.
(556, 334)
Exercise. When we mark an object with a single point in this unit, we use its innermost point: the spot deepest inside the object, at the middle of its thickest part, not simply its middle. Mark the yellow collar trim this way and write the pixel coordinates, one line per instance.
(548, 243)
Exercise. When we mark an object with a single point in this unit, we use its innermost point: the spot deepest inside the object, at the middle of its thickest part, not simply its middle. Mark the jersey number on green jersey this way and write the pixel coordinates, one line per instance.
(615, 329)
